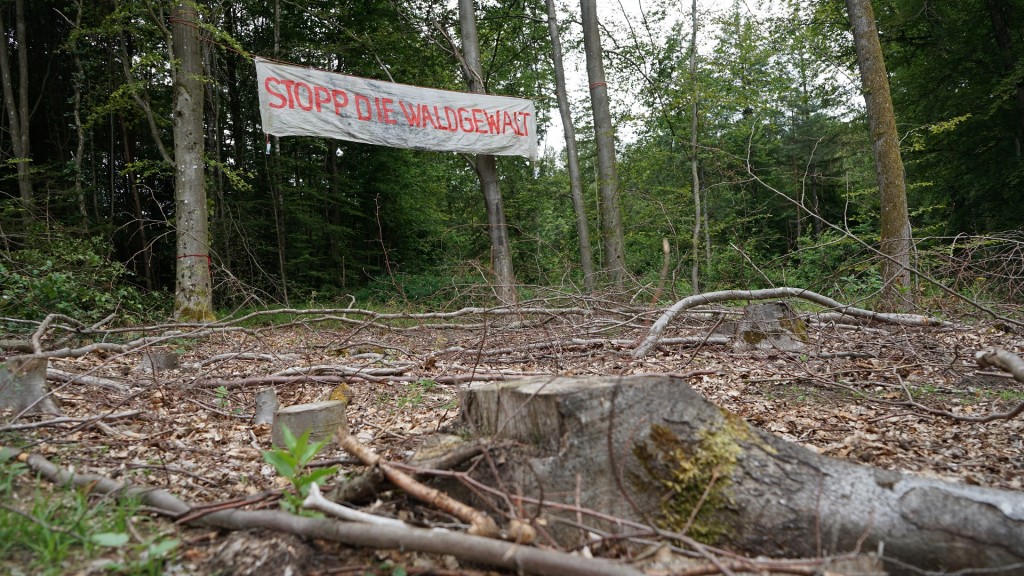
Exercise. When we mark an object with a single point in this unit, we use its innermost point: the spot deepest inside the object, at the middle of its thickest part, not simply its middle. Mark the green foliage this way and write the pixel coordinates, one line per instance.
(53, 532)
(65, 275)
(291, 463)
(416, 392)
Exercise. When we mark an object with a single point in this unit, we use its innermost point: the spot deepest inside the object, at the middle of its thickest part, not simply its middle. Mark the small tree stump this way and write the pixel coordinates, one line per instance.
(154, 361)
(770, 326)
(23, 384)
(320, 418)
(266, 406)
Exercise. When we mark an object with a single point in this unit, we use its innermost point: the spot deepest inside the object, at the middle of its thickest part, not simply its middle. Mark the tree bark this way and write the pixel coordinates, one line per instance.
(896, 233)
(486, 167)
(17, 111)
(23, 385)
(695, 177)
(571, 153)
(652, 449)
(193, 298)
(612, 237)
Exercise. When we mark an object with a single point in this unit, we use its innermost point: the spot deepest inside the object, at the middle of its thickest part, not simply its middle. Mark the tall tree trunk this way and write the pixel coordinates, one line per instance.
(608, 179)
(276, 194)
(77, 115)
(695, 177)
(18, 112)
(999, 13)
(193, 297)
(142, 248)
(486, 167)
(572, 155)
(895, 235)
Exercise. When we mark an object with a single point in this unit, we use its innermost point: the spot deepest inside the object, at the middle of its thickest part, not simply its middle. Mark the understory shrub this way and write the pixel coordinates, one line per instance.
(65, 275)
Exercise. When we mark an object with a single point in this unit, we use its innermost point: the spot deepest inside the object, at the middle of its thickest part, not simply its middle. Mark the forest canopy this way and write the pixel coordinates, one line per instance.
(784, 157)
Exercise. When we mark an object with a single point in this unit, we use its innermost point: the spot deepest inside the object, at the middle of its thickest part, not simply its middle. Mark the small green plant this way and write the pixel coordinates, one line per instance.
(291, 462)
(222, 396)
(416, 392)
(1011, 395)
(58, 532)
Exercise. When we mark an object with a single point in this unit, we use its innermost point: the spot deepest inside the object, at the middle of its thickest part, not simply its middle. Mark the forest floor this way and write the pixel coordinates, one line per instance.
(869, 394)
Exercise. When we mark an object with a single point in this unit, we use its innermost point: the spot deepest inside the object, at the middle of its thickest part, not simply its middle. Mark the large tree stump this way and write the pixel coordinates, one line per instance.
(652, 449)
(23, 385)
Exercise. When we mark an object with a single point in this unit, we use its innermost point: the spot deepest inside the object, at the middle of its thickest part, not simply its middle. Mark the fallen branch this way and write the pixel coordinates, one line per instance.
(72, 378)
(69, 420)
(1006, 361)
(481, 524)
(654, 335)
(316, 501)
(466, 548)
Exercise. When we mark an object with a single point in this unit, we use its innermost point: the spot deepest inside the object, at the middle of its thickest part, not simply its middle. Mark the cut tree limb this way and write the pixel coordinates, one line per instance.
(466, 548)
(481, 524)
(652, 448)
(1006, 361)
(654, 335)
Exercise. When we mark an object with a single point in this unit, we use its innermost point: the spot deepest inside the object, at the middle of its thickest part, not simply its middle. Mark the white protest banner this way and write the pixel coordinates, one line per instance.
(296, 101)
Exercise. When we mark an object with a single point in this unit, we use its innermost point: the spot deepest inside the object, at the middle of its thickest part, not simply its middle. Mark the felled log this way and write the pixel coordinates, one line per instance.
(650, 449)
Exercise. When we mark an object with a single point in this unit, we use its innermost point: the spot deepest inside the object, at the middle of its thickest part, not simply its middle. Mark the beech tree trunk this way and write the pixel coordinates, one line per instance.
(612, 237)
(193, 296)
(892, 188)
(649, 448)
(486, 166)
(694, 176)
(571, 154)
(17, 110)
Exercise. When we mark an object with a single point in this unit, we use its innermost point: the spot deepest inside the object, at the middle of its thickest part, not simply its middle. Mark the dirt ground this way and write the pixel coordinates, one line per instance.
(870, 394)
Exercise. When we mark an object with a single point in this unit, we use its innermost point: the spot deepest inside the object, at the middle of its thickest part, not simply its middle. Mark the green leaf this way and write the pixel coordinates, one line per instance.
(282, 461)
(162, 547)
(110, 539)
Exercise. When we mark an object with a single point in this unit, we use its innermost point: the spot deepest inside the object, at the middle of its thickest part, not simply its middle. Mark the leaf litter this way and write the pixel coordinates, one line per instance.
(847, 396)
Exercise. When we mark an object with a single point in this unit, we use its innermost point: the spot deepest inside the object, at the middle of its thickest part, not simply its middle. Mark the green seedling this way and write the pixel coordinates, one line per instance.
(291, 463)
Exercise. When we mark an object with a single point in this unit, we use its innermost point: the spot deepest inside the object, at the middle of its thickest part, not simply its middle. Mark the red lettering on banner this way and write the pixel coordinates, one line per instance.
(278, 95)
(288, 84)
(321, 96)
(292, 94)
(463, 114)
(506, 121)
(412, 113)
(298, 96)
(360, 101)
(339, 105)
(425, 110)
(389, 110)
(452, 117)
(478, 121)
(438, 124)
